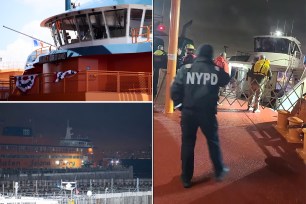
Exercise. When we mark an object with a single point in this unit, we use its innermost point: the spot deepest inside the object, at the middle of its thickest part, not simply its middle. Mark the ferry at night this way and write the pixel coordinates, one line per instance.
(102, 52)
(37, 170)
(19, 149)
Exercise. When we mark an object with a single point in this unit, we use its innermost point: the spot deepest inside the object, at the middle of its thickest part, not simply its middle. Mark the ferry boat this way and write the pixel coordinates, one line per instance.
(102, 51)
(19, 149)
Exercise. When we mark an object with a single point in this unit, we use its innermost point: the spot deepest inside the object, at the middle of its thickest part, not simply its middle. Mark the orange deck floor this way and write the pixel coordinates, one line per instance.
(264, 167)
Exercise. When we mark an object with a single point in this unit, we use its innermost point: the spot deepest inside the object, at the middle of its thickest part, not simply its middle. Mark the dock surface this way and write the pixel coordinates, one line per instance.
(264, 167)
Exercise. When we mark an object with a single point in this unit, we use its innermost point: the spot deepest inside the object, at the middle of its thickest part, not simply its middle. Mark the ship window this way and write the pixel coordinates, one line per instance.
(294, 50)
(69, 30)
(135, 21)
(60, 32)
(274, 45)
(98, 25)
(116, 22)
(55, 34)
(147, 21)
(83, 27)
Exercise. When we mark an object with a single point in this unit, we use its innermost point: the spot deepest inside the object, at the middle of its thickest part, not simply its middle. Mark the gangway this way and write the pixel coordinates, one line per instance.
(291, 97)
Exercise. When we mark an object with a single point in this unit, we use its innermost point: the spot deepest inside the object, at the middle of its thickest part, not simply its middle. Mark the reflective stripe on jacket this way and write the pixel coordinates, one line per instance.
(159, 53)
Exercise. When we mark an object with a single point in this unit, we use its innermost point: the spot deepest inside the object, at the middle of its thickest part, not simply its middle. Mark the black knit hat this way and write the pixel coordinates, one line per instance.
(205, 51)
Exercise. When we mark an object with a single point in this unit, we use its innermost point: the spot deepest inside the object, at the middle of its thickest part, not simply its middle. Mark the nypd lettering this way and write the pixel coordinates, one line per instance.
(201, 78)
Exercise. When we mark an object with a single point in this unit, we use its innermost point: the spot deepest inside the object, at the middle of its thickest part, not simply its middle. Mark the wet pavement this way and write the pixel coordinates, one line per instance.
(264, 167)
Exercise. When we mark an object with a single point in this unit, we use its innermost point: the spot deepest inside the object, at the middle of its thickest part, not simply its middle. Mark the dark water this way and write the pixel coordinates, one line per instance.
(142, 167)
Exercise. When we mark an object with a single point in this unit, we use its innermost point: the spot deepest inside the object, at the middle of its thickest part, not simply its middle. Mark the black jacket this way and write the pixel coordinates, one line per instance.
(160, 61)
(197, 88)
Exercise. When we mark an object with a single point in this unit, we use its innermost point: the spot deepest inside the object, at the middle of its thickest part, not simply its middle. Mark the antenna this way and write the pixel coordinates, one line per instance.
(163, 8)
(292, 26)
(28, 36)
(68, 132)
(285, 28)
(277, 24)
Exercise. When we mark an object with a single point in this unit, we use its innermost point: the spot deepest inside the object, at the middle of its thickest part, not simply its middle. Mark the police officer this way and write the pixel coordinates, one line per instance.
(195, 92)
(189, 55)
(160, 60)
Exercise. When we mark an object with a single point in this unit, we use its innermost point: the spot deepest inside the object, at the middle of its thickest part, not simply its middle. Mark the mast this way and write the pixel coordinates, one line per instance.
(68, 132)
(67, 5)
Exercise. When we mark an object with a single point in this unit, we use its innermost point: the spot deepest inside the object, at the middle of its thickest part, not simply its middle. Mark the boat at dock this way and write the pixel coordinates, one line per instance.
(287, 64)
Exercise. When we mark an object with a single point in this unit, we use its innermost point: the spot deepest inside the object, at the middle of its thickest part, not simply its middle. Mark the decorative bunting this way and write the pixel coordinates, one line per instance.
(25, 82)
(62, 75)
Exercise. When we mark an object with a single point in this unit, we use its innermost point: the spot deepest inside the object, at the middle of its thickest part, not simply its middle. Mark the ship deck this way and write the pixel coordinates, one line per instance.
(264, 167)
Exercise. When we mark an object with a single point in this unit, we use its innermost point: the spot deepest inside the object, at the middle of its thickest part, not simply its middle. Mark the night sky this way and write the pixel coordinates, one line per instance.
(234, 22)
(110, 126)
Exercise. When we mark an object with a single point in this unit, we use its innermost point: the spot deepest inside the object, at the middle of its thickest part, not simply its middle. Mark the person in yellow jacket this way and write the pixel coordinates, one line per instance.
(160, 60)
(259, 73)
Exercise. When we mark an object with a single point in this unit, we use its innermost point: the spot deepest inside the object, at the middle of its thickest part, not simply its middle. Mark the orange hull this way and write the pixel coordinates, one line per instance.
(120, 77)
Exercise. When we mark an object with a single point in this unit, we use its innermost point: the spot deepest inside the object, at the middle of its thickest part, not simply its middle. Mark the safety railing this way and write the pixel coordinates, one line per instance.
(146, 33)
(4, 90)
(278, 93)
(48, 186)
(89, 81)
(43, 50)
(12, 65)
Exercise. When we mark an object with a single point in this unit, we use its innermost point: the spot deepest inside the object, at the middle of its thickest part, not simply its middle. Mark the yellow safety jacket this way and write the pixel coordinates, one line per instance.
(159, 53)
(261, 67)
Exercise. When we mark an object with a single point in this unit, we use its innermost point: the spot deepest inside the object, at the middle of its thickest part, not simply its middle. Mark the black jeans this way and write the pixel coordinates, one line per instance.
(190, 122)
(155, 81)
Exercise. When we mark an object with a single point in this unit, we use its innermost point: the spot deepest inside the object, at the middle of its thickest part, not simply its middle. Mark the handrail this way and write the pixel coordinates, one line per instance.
(40, 50)
(4, 90)
(89, 80)
(135, 33)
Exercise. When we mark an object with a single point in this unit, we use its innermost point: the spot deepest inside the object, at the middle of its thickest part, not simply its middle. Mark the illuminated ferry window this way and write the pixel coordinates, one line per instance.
(116, 22)
(69, 31)
(83, 27)
(135, 21)
(147, 21)
(98, 25)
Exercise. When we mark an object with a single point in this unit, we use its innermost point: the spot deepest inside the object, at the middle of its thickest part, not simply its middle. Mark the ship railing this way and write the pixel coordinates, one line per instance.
(12, 65)
(89, 81)
(42, 50)
(4, 90)
(146, 34)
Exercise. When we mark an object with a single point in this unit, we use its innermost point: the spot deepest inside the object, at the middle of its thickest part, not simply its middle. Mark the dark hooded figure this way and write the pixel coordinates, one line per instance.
(195, 92)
